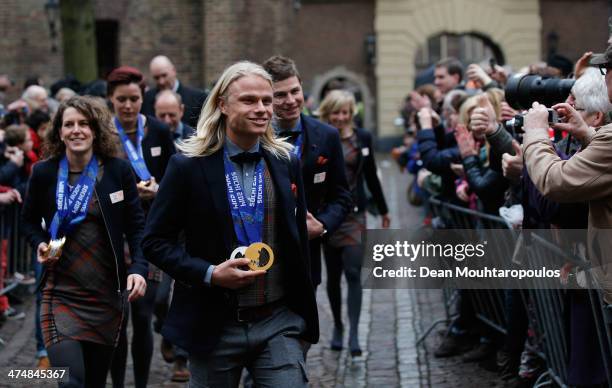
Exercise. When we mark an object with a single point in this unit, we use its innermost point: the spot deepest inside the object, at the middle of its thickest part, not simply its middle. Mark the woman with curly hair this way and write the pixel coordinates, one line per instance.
(88, 202)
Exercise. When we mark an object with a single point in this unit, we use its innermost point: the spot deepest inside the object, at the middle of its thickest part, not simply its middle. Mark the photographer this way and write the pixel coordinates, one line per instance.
(587, 176)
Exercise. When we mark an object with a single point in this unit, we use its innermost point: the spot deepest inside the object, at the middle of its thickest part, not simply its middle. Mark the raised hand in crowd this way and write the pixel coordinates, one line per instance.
(465, 141)
(483, 119)
(512, 165)
(507, 113)
(419, 101)
(572, 122)
(14, 154)
(10, 197)
(428, 118)
(582, 64)
(476, 74)
(499, 74)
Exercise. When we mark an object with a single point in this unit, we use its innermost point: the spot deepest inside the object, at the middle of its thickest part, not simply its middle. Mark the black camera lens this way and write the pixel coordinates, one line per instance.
(522, 90)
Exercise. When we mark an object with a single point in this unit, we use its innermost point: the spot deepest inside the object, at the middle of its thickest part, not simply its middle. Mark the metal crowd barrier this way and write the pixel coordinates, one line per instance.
(550, 306)
(15, 253)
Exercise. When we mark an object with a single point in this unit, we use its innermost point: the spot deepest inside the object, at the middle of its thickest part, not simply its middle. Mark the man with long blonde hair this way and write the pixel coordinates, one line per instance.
(243, 295)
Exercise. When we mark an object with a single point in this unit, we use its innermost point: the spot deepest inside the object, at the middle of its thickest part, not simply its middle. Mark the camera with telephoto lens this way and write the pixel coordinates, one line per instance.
(522, 90)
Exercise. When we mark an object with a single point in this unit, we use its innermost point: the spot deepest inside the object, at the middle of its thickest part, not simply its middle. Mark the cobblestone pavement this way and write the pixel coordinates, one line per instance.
(391, 323)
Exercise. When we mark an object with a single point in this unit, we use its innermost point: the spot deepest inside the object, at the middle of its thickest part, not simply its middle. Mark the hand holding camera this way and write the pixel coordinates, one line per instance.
(572, 122)
(538, 117)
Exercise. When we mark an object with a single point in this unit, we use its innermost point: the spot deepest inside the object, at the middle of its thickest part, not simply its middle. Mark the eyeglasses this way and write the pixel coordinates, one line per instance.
(603, 69)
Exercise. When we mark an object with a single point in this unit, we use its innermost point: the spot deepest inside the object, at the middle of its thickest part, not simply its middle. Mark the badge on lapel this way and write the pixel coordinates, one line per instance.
(322, 161)
(320, 177)
(155, 151)
(117, 196)
(365, 151)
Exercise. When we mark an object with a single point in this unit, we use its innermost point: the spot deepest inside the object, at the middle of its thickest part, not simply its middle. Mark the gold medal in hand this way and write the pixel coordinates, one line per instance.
(260, 255)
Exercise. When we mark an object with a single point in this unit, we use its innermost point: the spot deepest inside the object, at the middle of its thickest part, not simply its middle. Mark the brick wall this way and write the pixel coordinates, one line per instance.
(25, 44)
(244, 30)
(152, 27)
(581, 25)
(331, 34)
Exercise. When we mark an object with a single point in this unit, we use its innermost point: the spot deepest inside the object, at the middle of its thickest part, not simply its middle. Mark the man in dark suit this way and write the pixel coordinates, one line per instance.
(226, 311)
(170, 109)
(318, 147)
(164, 74)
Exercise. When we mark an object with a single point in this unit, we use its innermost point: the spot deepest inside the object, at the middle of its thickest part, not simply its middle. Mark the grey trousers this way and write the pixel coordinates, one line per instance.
(269, 349)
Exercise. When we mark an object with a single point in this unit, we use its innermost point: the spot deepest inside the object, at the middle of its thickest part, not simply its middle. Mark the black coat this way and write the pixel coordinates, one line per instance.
(193, 99)
(330, 200)
(122, 218)
(438, 150)
(367, 172)
(192, 199)
(157, 147)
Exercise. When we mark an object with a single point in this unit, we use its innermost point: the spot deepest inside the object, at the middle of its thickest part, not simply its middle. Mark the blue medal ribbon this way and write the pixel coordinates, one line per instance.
(134, 154)
(72, 203)
(297, 150)
(247, 213)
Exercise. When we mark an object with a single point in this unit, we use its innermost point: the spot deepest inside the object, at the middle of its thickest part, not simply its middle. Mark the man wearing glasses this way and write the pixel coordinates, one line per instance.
(587, 176)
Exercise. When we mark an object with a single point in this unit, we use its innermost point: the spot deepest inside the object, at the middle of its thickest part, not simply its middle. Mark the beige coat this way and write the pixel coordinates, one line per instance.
(586, 177)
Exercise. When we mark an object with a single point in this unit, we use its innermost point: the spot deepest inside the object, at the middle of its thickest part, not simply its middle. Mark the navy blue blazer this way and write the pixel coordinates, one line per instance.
(329, 200)
(192, 199)
(193, 99)
(122, 218)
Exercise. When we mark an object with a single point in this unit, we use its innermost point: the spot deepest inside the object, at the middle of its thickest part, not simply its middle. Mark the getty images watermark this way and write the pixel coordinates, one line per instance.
(480, 259)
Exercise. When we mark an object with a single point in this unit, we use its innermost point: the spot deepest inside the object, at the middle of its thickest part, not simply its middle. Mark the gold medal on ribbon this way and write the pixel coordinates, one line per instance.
(54, 249)
(260, 255)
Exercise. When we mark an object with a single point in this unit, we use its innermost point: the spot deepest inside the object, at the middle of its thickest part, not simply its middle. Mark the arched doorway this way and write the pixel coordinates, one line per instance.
(401, 26)
(468, 47)
(342, 78)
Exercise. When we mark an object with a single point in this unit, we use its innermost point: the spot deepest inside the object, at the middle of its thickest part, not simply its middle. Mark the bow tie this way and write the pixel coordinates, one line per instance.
(246, 157)
(292, 135)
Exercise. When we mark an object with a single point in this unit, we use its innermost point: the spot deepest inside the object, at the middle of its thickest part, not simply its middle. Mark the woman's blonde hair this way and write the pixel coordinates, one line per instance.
(336, 100)
(210, 133)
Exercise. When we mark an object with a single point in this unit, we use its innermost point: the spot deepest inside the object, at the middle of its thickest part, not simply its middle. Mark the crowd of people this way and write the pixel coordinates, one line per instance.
(462, 145)
(203, 216)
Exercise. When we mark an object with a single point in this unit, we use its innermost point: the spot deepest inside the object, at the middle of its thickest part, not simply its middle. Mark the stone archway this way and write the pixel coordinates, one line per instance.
(402, 25)
(321, 80)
